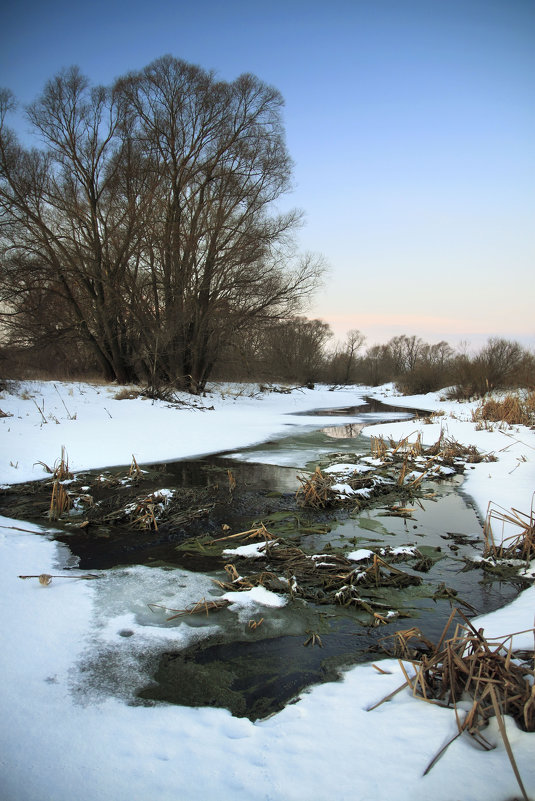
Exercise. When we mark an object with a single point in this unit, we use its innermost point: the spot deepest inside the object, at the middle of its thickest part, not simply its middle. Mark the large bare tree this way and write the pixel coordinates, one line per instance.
(146, 219)
(72, 215)
(219, 257)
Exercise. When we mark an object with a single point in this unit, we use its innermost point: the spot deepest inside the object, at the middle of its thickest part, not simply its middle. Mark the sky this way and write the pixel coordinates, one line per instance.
(411, 124)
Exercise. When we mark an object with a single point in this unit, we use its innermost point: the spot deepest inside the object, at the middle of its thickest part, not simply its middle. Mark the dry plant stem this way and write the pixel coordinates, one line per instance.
(441, 752)
(389, 696)
(468, 663)
(253, 533)
(43, 418)
(231, 482)
(69, 415)
(201, 606)
(17, 528)
(506, 742)
(86, 576)
(59, 502)
(519, 546)
(134, 471)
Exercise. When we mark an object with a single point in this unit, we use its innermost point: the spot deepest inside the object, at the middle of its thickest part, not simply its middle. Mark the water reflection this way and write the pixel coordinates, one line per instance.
(348, 431)
(305, 446)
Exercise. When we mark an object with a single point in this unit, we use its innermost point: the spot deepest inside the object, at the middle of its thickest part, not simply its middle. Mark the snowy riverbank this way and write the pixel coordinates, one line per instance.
(64, 737)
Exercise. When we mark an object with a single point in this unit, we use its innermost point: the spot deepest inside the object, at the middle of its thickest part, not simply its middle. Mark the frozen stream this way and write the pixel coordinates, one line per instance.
(251, 657)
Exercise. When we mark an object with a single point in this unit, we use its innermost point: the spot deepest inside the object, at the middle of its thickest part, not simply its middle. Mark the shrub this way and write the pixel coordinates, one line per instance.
(423, 378)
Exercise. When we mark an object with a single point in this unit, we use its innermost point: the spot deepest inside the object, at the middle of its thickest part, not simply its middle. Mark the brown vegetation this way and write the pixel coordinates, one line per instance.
(520, 545)
(514, 409)
(467, 664)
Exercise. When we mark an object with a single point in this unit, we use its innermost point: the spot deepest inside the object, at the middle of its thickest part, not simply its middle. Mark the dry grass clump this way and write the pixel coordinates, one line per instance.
(513, 409)
(315, 490)
(60, 501)
(258, 533)
(379, 447)
(60, 471)
(237, 583)
(323, 578)
(467, 665)
(517, 546)
(144, 512)
(450, 451)
(406, 446)
(126, 394)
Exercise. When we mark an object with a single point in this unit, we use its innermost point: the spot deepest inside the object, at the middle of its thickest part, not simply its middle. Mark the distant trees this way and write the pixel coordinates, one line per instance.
(143, 229)
(418, 367)
(343, 367)
(500, 364)
(295, 350)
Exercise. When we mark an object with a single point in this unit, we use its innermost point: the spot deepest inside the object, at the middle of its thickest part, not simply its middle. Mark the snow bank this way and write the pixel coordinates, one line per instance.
(64, 736)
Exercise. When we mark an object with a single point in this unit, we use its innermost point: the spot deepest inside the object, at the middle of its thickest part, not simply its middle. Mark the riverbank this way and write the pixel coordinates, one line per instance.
(65, 737)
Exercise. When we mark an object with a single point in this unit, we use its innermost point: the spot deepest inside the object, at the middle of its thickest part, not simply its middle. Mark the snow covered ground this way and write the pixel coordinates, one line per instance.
(63, 737)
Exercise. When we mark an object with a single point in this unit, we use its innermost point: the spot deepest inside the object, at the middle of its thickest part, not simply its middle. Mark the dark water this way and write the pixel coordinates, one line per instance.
(255, 672)
(255, 675)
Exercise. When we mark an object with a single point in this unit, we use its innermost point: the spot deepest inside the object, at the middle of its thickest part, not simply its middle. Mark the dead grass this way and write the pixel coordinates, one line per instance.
(126, 394)
(315, 490)
(406, 446)
(513, 409)
(468, 665)
(60, 501)
(194, 609)
(323, 578)
(60, 471)
(520, 545)
(258, 533)
(144, 513)
(379, 447)
(135, 470)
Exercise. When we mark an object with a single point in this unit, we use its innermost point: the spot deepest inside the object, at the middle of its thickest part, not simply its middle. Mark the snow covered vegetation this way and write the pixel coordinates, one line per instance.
(75, 652)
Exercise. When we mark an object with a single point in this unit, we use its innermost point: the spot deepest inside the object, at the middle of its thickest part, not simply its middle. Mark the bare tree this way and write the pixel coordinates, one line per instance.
(294, 350)
(72, 215)
(345, 358)
(218, 258)
(144, 227)
(405, 351)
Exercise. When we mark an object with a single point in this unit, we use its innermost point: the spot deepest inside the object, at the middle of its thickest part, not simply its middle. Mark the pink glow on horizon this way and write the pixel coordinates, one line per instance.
(379, 328)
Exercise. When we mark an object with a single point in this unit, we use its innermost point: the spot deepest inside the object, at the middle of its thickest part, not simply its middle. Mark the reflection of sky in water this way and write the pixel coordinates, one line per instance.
(315, 442)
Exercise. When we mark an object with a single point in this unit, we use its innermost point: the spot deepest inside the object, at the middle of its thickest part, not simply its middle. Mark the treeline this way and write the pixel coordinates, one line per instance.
(417, 367)
(301, 350)
(140, 236)
(140, 241)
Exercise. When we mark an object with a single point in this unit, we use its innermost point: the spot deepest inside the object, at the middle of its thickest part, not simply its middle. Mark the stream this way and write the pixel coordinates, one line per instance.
(253, 659)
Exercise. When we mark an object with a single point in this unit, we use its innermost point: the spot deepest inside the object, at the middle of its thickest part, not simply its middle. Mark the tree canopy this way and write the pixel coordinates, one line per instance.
(144, 228)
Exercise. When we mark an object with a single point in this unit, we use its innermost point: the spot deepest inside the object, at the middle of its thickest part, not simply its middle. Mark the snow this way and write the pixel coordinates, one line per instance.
(65, 735)
(251, 599)
(251, 551)
(347, 469)
(359, 555)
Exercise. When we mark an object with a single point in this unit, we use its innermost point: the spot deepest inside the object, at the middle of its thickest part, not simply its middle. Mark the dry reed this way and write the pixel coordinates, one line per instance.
(194, 609)
(512, 409)
(517, 546)
(315, 490)
(60, 501)
(468, 665)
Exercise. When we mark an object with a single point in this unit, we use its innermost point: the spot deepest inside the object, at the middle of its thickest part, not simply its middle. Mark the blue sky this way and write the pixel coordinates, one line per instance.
(411, 124)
